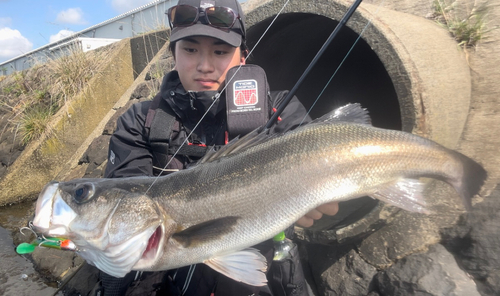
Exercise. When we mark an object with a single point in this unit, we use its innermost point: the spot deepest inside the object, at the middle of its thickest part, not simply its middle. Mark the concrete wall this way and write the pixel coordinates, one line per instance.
(405, 69)
(42, 160)
(145, 48)
(47, 158)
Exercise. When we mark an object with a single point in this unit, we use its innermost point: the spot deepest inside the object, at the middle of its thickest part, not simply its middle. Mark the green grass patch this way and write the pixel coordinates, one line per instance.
(34, 121)
(465, 20)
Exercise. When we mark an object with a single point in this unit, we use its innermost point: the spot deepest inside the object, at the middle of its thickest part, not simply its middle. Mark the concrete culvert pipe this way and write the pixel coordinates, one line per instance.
(404, 69)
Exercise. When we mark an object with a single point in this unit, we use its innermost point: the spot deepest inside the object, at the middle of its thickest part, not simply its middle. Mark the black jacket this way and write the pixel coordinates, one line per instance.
(130, 151)
(130, 154)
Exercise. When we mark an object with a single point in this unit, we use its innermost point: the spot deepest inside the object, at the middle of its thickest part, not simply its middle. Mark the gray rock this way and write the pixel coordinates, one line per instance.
(433, 273)
(140, 91)
(110, 126)
(68, 269)
(339, 271)
(53, 263)
(10, 148)
(475, 242)
(84, 280)
(407, 234)
(146, 89)
(160, 68)
(95, 156)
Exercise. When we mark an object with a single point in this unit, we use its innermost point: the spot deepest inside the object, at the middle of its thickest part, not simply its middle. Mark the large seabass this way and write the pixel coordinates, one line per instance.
(246, 193)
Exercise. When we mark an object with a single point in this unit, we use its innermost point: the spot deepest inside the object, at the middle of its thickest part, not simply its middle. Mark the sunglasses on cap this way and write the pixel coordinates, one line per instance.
(215, 16)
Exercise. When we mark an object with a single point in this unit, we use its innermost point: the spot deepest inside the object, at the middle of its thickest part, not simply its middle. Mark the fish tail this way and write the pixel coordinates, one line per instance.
(471, 181)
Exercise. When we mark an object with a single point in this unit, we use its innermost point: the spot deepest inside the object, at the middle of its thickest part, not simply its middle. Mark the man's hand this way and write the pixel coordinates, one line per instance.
(328, 209)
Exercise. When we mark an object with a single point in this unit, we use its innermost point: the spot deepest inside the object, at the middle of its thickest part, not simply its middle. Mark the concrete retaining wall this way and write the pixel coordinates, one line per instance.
(52, 156)
(424, 79)
(42, 160)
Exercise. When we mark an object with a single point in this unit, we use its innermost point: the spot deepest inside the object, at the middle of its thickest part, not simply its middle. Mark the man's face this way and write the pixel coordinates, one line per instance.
(202, 62)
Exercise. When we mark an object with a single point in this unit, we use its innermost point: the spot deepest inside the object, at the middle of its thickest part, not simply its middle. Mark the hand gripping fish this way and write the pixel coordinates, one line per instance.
(246, 193)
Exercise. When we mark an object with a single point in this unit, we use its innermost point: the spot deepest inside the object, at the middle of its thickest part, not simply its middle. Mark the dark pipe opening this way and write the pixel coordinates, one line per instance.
(285, 52)
(292, 42)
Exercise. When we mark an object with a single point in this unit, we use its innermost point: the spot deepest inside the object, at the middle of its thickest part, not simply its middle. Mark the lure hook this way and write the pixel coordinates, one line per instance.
(29, 228)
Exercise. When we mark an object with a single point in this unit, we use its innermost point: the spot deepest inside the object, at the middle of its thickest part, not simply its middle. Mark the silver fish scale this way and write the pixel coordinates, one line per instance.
(271, 185)
(247, 193)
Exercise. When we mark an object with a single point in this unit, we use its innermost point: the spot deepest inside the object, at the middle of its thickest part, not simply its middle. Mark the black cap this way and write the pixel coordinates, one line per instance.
(233, 37)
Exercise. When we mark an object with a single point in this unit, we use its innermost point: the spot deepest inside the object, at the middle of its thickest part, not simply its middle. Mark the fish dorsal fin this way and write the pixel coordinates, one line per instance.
(205, 232)
(349, 113)
(253, 138)
(405, 194)
(247, 266)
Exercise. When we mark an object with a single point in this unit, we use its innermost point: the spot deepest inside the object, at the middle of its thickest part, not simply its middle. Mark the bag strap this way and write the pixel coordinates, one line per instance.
(160, 124)
(155, 103)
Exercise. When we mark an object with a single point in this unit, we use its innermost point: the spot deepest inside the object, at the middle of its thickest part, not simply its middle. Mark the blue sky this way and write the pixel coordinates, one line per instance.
(29, 24)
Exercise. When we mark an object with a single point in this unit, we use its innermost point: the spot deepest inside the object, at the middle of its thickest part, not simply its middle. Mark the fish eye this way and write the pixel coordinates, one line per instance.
(83, 193)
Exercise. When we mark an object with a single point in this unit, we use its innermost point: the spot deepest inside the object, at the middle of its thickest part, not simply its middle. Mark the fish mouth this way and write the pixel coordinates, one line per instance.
(52, 214)
(152, 251)
(153, 243)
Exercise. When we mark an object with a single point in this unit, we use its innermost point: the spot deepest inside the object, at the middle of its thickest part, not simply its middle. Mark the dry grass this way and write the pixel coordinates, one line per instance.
(465, 20)
(71, 73)
(29, 98)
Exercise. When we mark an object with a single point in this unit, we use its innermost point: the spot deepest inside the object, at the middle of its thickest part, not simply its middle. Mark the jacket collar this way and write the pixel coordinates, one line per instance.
(189, 106)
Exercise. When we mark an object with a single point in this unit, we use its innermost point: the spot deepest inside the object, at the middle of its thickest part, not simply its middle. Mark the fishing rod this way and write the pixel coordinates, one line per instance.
(290, 95)
(292, 92)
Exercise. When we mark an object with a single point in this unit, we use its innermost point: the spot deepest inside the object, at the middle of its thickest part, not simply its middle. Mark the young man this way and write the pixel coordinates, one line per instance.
(207, 39)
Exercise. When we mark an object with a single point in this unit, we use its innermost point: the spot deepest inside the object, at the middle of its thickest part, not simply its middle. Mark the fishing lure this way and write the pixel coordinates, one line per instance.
(42, 241)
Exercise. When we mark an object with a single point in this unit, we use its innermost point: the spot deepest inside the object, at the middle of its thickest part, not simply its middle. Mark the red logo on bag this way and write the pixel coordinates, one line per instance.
(245, 93)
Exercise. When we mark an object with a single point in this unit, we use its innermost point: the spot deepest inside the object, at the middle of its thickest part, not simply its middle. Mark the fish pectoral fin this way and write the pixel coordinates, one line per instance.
(247, 266)
(405, 194)
(205, 232)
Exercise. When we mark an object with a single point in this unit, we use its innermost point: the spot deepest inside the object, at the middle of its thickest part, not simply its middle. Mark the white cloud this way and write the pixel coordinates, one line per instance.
(71, 16)
(62, 34)
(13, 43)
(122, 6)
(5, 21)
